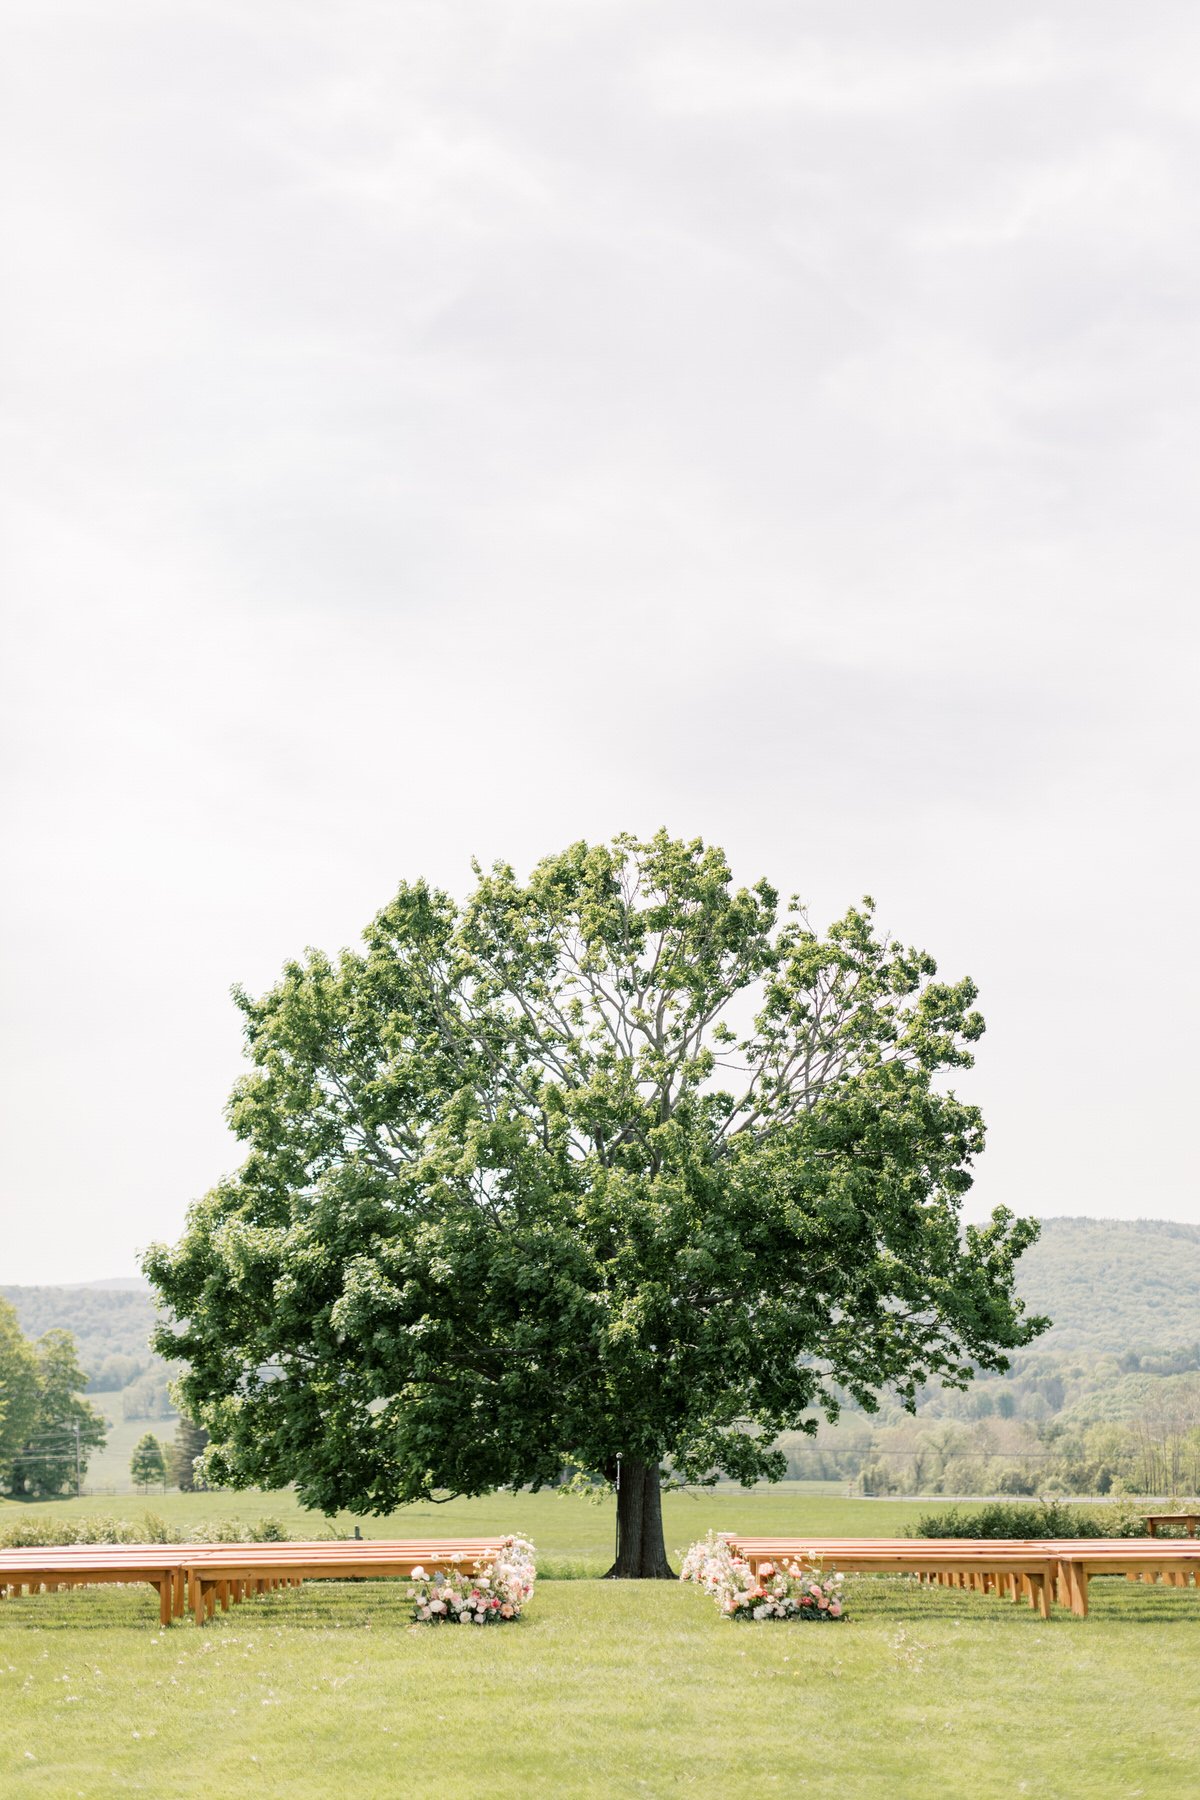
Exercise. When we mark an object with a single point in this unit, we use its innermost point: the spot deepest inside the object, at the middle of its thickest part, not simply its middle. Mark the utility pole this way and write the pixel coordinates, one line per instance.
(78, 1466)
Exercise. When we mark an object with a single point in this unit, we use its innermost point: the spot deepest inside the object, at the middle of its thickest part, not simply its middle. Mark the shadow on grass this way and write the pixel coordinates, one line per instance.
(366, 1605)
(1110, 1598)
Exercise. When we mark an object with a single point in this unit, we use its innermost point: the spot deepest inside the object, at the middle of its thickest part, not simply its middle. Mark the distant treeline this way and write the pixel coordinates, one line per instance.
(111, 1328)
(1107, 1400)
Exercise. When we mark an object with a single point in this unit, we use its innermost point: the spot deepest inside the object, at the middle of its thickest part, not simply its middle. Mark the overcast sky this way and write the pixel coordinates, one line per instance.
(458, 428)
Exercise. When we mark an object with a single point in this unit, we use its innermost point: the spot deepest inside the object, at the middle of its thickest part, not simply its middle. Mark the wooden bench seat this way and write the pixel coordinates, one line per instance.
(196, 1577)
(1189, 1521)
(229, 1573)
(51, 1568)
(1039, 1570)
(1021, 1570)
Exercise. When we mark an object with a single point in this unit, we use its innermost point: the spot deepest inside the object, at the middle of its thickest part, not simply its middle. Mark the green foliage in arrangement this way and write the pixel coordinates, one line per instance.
(610, 1166)
(1032, 1519)
(148, 1464)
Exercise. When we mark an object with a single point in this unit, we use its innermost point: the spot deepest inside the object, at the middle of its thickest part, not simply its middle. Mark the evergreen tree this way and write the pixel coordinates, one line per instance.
(148, 1463)
(190, 1442)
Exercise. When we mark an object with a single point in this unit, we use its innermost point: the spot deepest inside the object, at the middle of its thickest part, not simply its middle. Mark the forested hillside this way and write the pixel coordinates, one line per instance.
(111, 1326)
(1107, 1400)
(1115, 1284)
(1110, 1393)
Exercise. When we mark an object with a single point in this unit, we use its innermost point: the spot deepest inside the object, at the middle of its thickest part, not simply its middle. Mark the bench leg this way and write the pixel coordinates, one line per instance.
(1080, 1590)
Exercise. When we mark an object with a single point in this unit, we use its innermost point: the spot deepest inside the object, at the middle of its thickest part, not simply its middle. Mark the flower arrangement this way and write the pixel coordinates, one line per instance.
(787, 1591)
(494, 1595)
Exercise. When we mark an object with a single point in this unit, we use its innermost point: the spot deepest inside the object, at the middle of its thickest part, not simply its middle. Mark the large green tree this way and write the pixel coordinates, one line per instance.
(613, 1169)
(18, 1389)
(59, 1428)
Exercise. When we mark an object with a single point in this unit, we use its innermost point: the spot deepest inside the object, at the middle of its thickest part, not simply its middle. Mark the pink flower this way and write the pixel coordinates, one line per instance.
(765, 1569)
(835, 1609)
(506, 1611)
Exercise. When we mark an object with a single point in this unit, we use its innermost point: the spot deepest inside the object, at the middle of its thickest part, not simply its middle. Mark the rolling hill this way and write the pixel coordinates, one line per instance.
(1119, 1285)
(1109, 1285)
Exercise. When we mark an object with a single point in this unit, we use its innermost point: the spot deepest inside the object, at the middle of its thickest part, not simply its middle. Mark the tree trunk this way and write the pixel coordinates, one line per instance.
(641, 1552)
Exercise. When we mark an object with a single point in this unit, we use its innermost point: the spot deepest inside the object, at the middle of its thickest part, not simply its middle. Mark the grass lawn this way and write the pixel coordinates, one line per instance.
(603, 1689)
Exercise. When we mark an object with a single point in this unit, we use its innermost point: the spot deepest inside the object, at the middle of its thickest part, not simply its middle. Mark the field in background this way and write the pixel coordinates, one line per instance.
(573, 1537)
(108, 1471)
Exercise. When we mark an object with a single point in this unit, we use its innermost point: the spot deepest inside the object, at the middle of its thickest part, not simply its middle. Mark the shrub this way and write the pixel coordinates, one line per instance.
(1032, 1519)
(30, 1533)
(235, 1531)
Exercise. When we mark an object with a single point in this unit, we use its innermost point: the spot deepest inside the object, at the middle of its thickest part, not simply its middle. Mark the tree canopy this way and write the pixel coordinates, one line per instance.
(18, 1389)
(614, 1163)
(43, 1419)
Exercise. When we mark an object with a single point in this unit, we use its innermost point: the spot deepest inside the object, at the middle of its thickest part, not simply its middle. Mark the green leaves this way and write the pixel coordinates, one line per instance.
(42, 1411)
(608, 1162)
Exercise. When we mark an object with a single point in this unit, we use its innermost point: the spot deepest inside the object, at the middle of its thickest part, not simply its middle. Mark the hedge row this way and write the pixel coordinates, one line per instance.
(1039, 1519)
(31, 1533)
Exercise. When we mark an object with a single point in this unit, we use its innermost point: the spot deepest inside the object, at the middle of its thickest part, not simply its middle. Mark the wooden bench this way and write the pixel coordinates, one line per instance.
(1188, 1520)
(229, 1573)
(54, 1567)
(1174, 1561)
(1021, 1570)
(1039, 1570)
(196, 1577)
